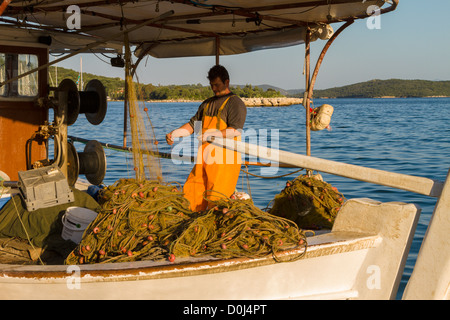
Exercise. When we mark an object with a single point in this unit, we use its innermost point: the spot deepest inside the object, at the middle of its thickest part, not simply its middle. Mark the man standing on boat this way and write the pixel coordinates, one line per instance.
(217, 169)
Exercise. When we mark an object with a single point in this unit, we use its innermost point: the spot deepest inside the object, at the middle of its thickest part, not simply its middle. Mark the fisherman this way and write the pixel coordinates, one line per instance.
(217, 169)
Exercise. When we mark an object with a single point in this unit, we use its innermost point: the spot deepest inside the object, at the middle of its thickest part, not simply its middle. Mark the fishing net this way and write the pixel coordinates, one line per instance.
(149, 220)
(138, 220)
(236, 228)
(308, 201)
(144, 143)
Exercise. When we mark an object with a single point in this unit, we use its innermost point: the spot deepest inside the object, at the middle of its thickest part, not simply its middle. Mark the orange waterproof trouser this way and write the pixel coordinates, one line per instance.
(216, 171)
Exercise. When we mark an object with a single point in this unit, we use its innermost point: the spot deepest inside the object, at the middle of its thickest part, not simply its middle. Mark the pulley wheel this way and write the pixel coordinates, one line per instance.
(93, 162)
(73, 165)
(96, 116)
(73, 100)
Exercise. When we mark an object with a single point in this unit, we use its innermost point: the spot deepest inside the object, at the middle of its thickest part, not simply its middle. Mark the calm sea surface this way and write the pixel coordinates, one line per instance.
(410, 136)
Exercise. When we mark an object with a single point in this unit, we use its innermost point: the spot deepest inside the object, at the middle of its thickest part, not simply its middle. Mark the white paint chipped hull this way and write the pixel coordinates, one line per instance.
(362, 258)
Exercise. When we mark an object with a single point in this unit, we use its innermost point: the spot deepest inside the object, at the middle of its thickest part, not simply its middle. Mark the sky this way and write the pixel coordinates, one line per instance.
(412, 42)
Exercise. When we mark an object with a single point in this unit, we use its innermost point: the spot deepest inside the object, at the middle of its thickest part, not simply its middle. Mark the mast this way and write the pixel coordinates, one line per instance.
(311, 79)
(4, 5)
(306, 101)
(217, 50)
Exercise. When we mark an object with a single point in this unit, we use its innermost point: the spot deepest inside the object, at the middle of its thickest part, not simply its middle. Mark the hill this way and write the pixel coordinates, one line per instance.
(369, 89)
(268, 87)
(115, 88)
(388, 88)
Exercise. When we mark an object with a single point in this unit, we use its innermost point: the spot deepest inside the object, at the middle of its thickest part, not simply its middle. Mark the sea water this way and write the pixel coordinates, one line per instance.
(409, 136)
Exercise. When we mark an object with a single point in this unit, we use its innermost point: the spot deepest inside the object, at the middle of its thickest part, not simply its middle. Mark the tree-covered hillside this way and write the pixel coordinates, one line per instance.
(388, 88)
(370, 89)
(115, 88)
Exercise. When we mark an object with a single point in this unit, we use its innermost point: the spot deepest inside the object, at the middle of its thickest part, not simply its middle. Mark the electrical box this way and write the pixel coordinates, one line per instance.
(44, 187)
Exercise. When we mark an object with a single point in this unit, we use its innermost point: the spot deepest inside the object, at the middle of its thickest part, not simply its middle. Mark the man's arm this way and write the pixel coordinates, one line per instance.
(183, 131)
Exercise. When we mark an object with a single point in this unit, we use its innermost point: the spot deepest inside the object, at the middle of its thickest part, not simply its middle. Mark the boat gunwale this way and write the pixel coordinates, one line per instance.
(322, 245)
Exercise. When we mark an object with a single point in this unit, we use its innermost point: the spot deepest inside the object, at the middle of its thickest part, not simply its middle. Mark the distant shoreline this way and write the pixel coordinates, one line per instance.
(376, 88)
(250, 103)
(384, 97)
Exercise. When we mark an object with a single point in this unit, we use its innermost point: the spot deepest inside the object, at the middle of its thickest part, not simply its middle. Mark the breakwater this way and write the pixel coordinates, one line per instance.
(249, 102)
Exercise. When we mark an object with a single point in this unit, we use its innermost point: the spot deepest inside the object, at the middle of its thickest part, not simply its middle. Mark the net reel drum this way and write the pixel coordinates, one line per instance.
(67, 94)
(92, 101)
(91, 163)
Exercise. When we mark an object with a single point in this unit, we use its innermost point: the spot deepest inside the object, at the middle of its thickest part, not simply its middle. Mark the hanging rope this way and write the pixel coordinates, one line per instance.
(271, 177)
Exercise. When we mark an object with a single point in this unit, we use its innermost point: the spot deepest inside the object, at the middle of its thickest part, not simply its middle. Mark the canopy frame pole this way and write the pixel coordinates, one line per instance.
(130, 71)
(307, 84)
(127, 72)
(4, 5)
(322, 56)
(217, 51)
(310, 82)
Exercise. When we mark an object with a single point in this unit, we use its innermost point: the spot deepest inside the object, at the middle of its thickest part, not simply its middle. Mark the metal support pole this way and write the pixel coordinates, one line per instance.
(4, 5)
(306, 103)
(125, 102)
(311, 82)
(322, 56)
(217, 51)
(61, 114)
(125, 110)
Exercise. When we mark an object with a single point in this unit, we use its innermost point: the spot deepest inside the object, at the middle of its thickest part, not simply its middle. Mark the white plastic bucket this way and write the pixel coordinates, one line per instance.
(75, 221)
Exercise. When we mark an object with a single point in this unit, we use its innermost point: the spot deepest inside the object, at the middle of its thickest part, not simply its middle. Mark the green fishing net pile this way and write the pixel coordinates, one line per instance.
(150, 220)
(308, 201)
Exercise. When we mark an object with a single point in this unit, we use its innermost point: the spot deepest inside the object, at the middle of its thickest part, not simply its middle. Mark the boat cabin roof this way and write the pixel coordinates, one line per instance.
(179, 28)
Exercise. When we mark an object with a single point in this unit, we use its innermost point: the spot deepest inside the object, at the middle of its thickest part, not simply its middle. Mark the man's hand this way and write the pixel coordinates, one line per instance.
(169, 139)
(183, 131)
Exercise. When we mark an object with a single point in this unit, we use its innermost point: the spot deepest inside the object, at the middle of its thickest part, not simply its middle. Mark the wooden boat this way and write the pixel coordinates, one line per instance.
(362, 257)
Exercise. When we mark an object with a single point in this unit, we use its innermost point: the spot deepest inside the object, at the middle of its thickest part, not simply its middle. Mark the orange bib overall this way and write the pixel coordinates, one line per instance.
(217, 169)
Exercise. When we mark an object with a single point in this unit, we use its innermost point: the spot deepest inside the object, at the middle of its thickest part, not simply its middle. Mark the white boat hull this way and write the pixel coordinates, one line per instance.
(362, 258)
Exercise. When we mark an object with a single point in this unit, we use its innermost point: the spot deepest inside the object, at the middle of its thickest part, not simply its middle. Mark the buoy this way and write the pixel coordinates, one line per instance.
(321, 117)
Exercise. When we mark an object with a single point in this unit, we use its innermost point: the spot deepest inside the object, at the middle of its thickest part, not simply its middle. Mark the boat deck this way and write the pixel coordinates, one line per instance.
(20, 252)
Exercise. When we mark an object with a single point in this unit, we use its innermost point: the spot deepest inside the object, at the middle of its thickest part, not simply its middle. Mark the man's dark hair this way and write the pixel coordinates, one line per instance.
(218, 71)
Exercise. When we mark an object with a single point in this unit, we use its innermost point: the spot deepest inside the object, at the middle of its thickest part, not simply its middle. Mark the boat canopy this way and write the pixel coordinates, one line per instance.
(179, 28)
